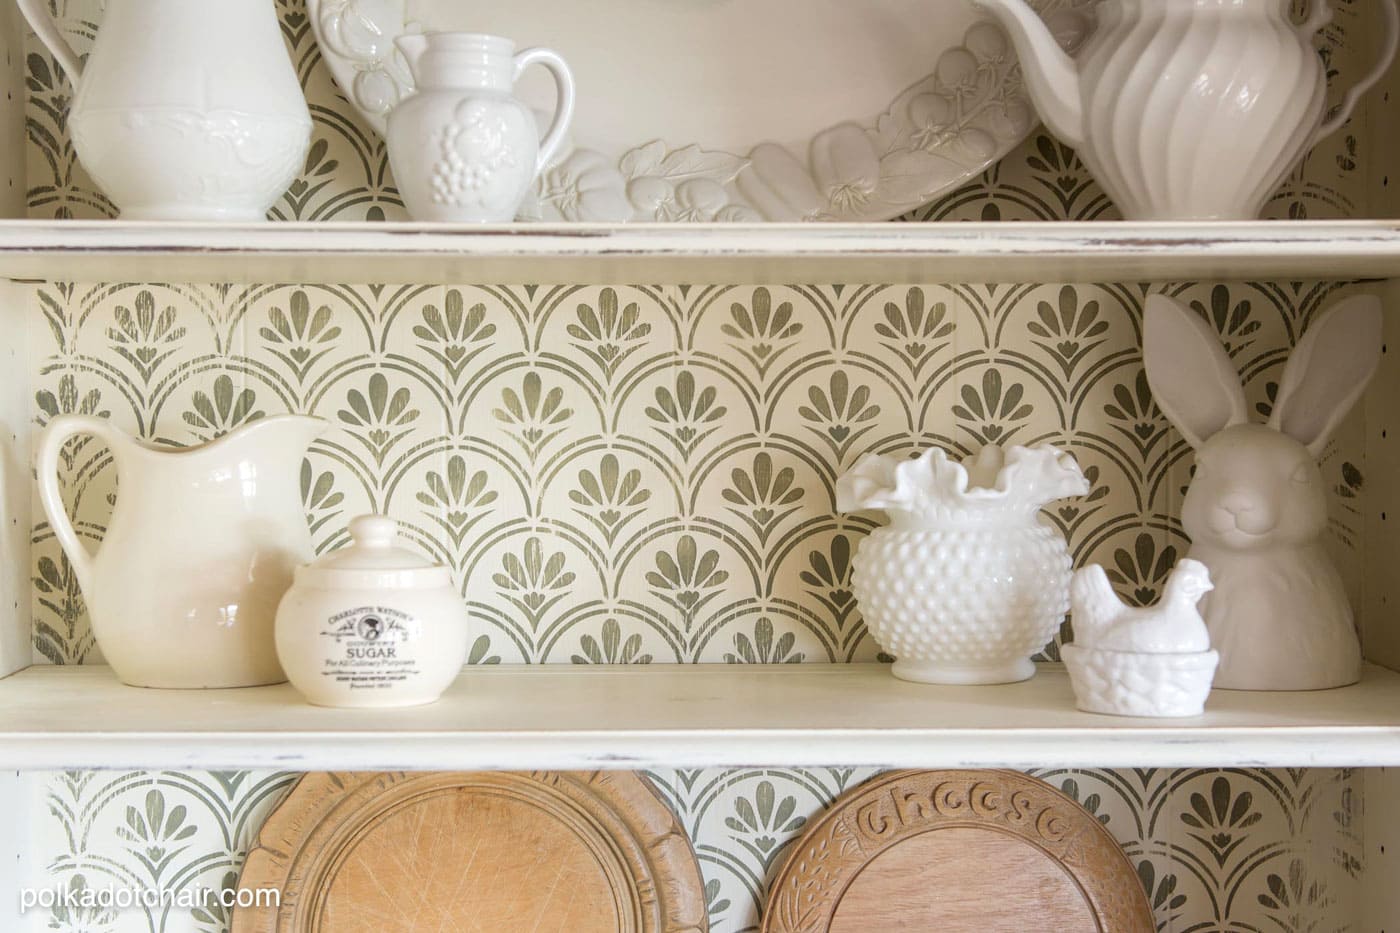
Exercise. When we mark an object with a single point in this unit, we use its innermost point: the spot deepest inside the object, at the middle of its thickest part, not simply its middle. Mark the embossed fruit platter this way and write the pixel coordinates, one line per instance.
(700, 110)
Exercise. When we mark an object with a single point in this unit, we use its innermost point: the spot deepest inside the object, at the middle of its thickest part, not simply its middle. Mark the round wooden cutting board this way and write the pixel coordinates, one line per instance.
(567, 852)
(961, 852)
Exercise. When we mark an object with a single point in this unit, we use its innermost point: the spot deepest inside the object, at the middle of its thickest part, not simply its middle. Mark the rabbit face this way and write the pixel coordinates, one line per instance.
(1258, 486)
(1254, 489)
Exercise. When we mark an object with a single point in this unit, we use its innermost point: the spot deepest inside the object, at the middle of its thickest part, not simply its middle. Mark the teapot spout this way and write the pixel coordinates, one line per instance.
(1052, 77)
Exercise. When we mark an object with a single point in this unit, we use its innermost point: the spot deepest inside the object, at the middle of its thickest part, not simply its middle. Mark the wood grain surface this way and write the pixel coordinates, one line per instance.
(567, 852)
(959, 852)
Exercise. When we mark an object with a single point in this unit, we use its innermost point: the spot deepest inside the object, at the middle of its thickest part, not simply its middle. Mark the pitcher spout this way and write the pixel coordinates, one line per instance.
(291, 433)
(268, 441)
(1052, 77)
(412, 46)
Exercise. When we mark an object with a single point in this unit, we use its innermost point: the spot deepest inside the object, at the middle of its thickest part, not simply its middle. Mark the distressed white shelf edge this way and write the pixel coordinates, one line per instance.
(32, 250)
(691, 716)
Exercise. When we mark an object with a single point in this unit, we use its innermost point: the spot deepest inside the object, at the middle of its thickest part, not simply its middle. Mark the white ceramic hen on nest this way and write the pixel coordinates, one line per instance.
(1151, 662)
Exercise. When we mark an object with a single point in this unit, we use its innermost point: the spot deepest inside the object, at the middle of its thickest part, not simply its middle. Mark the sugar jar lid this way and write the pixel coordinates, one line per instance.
(374, 560)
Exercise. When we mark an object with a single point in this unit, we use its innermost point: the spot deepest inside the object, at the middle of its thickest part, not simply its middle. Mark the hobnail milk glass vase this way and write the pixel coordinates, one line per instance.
(968, 580)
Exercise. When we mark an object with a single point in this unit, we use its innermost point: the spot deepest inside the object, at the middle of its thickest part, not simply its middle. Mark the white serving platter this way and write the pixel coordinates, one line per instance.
(734, 110)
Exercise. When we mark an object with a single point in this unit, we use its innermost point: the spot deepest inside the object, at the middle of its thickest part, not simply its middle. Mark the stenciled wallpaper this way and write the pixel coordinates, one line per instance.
(645, 474)
(1236, 851)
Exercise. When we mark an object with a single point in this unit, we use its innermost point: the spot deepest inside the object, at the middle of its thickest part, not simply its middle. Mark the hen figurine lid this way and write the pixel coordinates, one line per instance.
(374, 559)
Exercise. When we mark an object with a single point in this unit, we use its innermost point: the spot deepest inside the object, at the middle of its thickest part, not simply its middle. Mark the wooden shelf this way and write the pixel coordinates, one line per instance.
(527, 717)
(695, 253)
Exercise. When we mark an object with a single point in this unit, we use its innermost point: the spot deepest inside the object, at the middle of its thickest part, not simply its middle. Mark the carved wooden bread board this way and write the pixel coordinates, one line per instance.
(957, 852)
(569, 852)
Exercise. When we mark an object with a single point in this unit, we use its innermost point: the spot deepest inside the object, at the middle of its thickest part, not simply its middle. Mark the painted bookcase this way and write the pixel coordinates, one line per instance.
(644, 474)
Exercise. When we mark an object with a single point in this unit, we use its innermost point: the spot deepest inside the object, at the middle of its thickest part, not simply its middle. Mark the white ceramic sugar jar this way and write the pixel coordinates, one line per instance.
(372, 624)
(968, 581)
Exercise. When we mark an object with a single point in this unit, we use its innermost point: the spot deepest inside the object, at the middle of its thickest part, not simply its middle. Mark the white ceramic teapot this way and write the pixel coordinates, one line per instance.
(202, 545)
(1188, 109)
(463, 148)
(185, 110)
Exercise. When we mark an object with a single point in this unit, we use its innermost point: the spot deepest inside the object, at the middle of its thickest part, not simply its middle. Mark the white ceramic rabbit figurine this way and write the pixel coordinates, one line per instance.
(1257, 507)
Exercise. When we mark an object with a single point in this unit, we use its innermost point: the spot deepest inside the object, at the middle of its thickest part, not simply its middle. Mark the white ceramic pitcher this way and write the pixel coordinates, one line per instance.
(463, 148)
(1188, 109)
(202, 545)
(185, 109)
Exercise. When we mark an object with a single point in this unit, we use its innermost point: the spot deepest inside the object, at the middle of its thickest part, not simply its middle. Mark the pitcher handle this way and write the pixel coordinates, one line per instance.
(58, 433)
(36, 12)
(564, 106)
(1322, 14)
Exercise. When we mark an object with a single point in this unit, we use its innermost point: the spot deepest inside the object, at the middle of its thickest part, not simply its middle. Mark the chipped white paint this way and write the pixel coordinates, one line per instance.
(1381, 832)
(12, 99)
(15, 442)
(689, 716)
(697, 253)
(1380, 634)
(22, 796)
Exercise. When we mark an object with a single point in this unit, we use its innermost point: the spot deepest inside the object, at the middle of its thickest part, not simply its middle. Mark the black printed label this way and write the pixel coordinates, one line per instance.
(372, 648)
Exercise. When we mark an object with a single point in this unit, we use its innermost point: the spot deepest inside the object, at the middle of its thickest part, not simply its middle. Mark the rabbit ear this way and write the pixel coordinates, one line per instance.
(1328, 371)
(1192, 378)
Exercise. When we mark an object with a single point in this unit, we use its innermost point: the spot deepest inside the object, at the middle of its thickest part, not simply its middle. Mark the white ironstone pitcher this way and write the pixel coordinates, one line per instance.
(185, 109)
(1188, 109)
(202, 545)
(463, 148)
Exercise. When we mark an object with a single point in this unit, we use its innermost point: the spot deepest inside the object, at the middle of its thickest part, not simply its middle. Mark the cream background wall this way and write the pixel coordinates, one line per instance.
(644, 474)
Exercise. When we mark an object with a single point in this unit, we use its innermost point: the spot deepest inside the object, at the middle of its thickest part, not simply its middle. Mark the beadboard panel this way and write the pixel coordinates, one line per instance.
(1376, 136)
(1381, 633)
(644, 474)
(1381, 513)
(21, 827)
(16, 433)
(1380, 896)
(13, 177)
